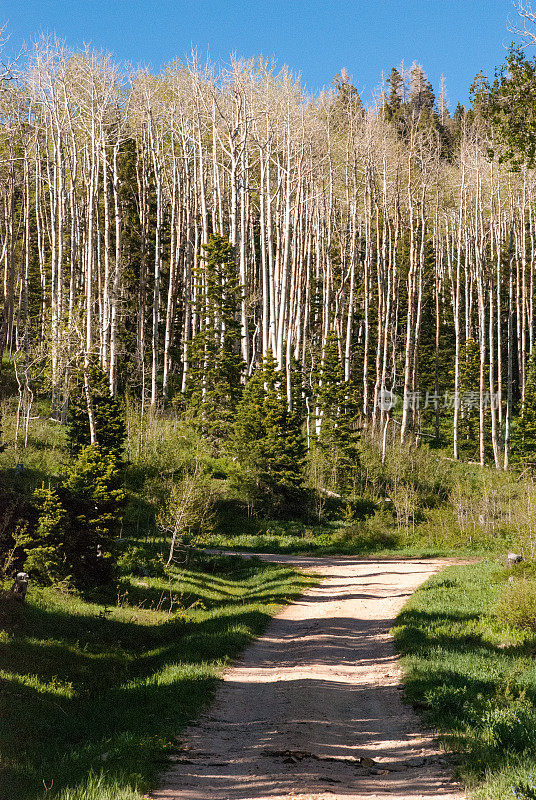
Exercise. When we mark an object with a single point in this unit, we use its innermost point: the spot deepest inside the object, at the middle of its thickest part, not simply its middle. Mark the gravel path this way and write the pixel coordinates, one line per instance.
(313, 709)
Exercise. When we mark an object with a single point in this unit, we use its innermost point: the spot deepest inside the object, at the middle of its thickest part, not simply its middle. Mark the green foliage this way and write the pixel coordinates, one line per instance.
(524, 433)
(267, 440)
(472, 676)
(469, 411)
(421, 96)
(16, 515)
(334, 457)
(45, 546)
(396, 93)
(77, 524)
(95, 500)
(516, 605)
(108, 412)
(511, 110)
(188, 509)
(216, 366)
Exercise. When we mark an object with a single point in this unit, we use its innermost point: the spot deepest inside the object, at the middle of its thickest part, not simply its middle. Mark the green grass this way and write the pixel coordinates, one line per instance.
(473, 677)
(94, 695)
(376, 540)
(323, 544)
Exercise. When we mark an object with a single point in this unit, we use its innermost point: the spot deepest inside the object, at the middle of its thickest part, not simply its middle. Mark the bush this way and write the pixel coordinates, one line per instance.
(511, 727)
(375, 533)
(136, 560)
(516, 605)
(447, 699)
(16, 517)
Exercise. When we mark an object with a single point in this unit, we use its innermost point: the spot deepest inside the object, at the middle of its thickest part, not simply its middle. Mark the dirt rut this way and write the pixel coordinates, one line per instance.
(313, 709)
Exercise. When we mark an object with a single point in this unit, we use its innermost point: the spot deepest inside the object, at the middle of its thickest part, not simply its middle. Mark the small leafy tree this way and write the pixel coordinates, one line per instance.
(188, 508)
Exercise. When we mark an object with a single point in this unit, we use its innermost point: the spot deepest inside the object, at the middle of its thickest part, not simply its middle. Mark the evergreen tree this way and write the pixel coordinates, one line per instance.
(511, 110)
(421, 96)
(469, 382)
(336, 440)
(395, 96)
(45, 546)
(267, 441)
(94, 499)
(524, 433)
(347, 94)
(216, 367)
(108, 412)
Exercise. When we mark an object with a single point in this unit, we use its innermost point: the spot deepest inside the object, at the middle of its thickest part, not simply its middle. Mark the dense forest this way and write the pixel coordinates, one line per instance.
(372, 250)
(308, 286)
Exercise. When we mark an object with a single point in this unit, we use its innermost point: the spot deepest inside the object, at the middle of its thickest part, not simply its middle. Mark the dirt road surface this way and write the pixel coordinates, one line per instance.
(313, 709)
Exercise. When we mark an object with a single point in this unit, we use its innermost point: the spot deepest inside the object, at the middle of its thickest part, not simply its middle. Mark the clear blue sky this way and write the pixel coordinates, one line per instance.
(316, 38)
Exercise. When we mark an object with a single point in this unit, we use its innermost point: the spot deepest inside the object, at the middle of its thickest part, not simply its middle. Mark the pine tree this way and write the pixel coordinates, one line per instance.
(469, 403)
(108, 412)
(336, 438)
(45, 546)
(394, 99)
(94, 499)
(216, 367)
(347, 94)
(421, 96)
(524, 434)
(267, 441)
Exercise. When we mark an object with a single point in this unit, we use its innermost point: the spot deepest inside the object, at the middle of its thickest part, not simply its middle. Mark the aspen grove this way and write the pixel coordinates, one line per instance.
(388, 237)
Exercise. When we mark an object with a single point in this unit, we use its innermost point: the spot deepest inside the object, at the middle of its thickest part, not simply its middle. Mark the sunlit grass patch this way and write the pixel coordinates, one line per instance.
(473, 677)
(94, 693)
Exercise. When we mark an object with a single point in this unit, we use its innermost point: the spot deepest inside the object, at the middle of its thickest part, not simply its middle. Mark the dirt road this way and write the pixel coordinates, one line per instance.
(313, 709)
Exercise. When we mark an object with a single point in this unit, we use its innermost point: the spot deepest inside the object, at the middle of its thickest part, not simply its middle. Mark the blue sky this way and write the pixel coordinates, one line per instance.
(316, 38)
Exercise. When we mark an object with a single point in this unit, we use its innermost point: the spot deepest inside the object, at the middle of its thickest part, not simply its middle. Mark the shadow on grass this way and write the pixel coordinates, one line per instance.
(82, 691)
(473, 681)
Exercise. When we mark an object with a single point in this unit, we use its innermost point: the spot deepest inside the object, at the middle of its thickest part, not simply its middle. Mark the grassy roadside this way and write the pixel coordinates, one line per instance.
(93, 695)
(328, 544)
(472, 674)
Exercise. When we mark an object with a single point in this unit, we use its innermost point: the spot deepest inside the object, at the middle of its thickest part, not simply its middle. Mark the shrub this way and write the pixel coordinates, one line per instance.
(526, 790)
(374, 533)
(15, 517)
(447, 700)
(516, 605)
(511, 727)
(136, 560)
